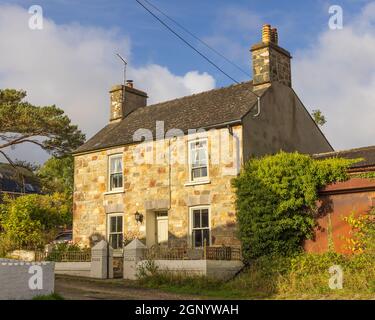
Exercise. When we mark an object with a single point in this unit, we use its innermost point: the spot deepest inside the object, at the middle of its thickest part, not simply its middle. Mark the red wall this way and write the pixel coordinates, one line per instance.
(338, 201)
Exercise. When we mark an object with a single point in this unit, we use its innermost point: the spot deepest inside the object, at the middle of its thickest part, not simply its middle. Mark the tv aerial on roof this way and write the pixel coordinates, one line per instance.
(125, 64)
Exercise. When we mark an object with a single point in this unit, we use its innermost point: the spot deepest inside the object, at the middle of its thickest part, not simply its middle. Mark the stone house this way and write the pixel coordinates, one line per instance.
(163, 172)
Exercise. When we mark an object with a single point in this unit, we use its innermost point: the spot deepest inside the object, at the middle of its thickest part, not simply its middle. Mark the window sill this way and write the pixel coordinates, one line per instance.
(114, 192)
(195, 183)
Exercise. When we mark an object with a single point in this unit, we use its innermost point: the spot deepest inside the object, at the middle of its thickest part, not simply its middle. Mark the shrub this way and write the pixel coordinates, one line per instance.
(362, 232)
(276, 200)
(59, 249)
(147, 269)
(33, 220)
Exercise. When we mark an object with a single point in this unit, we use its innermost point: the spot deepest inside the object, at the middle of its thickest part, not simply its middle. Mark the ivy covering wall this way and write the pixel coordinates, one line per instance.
(276, 200)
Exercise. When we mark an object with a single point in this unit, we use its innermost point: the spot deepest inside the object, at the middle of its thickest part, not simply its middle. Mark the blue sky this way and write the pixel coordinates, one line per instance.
(71, 62)
(299, 23)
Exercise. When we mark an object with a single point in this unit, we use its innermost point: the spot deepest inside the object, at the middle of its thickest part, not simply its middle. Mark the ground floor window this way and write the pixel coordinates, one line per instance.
(115, 230)
(200, 226)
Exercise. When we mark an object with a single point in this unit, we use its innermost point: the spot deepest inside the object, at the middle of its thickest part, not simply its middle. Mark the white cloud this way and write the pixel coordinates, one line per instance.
(74, 66)
(337, 75)
(165, 85)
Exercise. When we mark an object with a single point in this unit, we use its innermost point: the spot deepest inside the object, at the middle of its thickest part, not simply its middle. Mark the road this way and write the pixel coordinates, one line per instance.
(74, 288)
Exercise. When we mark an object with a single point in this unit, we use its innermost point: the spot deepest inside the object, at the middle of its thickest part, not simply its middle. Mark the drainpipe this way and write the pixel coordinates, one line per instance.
(169, 174)
(258, 107)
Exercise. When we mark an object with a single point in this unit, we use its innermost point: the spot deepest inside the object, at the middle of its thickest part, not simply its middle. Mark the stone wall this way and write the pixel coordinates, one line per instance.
(121, 106)
(153, 187)
(270, 63)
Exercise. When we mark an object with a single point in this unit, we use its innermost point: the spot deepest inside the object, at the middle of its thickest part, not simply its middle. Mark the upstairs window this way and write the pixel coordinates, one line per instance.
(115, 173)
(198, 160)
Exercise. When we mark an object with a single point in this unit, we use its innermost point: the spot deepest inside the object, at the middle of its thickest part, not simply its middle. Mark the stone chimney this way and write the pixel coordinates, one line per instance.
(124, 100)
(270, 62)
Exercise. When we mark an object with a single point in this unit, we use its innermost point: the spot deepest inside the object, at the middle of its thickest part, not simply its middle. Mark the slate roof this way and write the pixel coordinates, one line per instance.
(10, 180)
(366, 153)
(201, 110)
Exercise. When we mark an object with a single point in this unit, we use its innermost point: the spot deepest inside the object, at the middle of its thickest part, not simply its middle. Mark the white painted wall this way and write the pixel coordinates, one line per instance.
(16, 277)
(80, 269)
(218, 269)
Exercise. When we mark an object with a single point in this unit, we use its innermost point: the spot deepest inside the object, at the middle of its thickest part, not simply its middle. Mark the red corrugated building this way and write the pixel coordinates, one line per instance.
(339, 200)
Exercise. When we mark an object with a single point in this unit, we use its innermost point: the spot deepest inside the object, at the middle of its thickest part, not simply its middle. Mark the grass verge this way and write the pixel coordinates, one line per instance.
(53, 296)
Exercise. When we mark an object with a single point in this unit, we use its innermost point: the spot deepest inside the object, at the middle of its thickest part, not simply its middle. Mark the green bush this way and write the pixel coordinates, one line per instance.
(59, 249)
(33, 220)
(276, 200)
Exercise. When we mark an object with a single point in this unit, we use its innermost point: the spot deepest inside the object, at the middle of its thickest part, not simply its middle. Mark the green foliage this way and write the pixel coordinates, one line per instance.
(366, 175)
(319, 118)
(179, 282)
(302, 276)
(32, 167)
(46, 127)
(53, 296)
(147, 269)
(33, 220)
(59, 249)
(276, 200)
(57, 174)
(362, 234)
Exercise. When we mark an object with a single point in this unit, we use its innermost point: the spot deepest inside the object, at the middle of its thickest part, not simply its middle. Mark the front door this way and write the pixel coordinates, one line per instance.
(162, 227)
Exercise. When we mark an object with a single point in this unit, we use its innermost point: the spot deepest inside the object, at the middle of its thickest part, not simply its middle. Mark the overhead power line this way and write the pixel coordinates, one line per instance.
(186, 42)
(197, 38)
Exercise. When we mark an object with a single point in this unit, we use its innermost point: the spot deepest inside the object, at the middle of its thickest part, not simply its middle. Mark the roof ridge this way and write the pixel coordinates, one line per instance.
(346, 150)
(194, 95)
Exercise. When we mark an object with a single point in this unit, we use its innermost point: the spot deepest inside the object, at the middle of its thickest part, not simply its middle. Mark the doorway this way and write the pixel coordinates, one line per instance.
(162, 227)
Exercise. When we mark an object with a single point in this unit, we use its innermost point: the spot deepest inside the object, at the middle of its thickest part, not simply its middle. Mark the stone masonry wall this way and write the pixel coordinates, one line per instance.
(270, 63)
(146, 189)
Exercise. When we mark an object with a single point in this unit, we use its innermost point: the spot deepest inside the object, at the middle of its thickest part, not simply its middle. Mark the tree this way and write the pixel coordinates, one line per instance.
(32, 167)
(33, 220)
(276, 200)
(319, 118)
(46, 127)
(56, 175)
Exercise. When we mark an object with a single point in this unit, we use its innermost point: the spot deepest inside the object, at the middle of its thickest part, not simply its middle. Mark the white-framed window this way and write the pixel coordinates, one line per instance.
(200, 226)
(198, 160)
(115, 173)
(115, 230)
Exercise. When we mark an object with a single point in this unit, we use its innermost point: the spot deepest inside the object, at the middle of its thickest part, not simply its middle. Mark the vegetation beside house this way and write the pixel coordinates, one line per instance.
(276, 199)
(33, 220)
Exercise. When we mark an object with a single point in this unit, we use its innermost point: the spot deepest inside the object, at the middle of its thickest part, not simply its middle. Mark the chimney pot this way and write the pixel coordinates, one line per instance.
(271, 63)
(274, 36)
(130, 83)
(266, 33)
